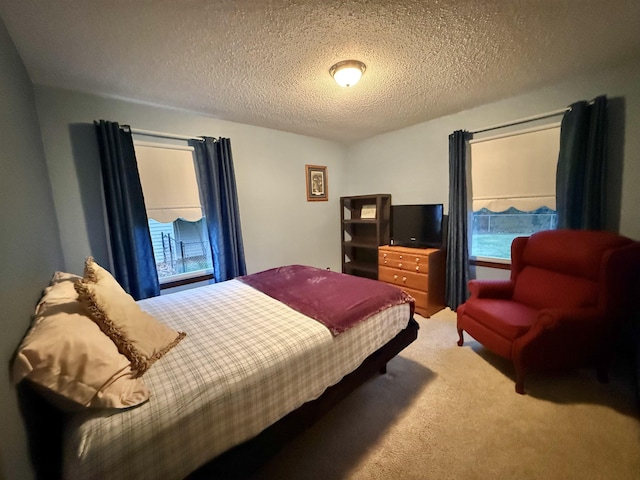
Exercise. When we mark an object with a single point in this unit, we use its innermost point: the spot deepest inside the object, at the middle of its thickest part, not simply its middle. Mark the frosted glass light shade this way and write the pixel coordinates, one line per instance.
(348, 72)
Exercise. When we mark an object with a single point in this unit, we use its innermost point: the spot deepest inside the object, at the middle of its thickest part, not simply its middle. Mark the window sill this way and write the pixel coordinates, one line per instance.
(491, 263)
(186, 281)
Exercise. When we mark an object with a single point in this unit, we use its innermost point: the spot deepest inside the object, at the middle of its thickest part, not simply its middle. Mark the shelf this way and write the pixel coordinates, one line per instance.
(353, 244)
(371, 221)
(362, 267)
(362, 236)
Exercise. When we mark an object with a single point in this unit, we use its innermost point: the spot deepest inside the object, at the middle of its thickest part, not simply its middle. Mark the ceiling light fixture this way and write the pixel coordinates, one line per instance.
(348, 72)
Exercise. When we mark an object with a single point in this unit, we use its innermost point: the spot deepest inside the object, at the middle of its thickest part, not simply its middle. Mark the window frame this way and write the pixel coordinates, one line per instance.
(497, 262)
(179, 282)
(185, 278)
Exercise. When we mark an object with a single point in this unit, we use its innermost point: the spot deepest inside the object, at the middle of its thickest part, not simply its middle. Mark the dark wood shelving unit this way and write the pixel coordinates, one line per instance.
(362, 236)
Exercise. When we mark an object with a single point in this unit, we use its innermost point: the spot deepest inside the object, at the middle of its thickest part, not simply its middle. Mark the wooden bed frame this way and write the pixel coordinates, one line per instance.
(44, 423)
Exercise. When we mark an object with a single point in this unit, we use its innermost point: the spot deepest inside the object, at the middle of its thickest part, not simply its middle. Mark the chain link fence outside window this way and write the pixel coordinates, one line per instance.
(178, 257)
(493, 232)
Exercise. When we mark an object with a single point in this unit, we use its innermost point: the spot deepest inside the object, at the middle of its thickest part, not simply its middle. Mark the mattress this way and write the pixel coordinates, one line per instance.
(246, 362)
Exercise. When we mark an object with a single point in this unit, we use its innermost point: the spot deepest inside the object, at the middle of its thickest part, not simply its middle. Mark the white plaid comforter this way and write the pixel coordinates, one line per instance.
(247, 361)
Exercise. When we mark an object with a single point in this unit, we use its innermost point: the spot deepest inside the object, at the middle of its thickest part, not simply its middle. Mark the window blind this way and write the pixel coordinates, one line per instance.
(169, 184)
(515, 170)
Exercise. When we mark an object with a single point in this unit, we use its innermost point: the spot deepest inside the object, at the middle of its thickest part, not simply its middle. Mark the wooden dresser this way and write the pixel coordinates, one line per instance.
(418, 271)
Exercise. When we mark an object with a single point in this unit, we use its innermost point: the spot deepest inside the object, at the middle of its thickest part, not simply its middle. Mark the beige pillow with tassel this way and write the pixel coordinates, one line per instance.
(138, 335)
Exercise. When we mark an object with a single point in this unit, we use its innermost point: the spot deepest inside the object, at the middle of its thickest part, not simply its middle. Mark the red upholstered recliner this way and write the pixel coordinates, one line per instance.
(569, 290)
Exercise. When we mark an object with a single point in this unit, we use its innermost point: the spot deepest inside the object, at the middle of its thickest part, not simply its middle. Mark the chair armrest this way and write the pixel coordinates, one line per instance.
(562, 337)
(553, 317)
(491, 289)
(563, 325)
(568, 324)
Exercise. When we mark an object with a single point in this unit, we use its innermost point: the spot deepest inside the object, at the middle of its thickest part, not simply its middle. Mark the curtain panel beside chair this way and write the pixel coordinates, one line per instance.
(457, 269)
(582, 163)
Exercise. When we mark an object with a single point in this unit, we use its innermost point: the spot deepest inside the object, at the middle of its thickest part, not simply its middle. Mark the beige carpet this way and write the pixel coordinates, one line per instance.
(449, 412)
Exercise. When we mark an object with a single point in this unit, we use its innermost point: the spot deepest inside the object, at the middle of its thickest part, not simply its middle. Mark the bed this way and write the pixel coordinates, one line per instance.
(252, 372)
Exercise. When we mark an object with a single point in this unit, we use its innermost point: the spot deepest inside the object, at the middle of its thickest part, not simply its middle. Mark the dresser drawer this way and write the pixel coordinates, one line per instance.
(402, 278)
(403, 261)
(421, 298)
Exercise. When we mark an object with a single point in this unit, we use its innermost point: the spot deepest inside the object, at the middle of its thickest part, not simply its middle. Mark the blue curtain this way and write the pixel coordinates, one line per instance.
(217, 181)
(581, 171)
(132, 251)
(457, 275)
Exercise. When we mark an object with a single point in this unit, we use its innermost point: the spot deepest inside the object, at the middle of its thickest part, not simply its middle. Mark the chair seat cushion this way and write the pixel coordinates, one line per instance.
(507, 318)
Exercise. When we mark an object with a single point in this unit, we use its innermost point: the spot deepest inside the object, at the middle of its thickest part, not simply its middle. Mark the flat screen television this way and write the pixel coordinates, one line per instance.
(417, 225)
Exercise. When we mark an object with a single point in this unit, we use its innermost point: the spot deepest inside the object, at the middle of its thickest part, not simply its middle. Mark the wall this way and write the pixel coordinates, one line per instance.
(412, 163)
(279, 226)
(29, 243)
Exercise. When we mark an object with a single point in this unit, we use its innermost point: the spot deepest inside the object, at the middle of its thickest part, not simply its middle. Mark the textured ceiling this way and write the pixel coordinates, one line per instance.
(267, 62)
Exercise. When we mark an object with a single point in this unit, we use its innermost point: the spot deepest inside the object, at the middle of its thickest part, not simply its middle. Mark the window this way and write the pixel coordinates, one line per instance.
(513, 189)
(176, 220)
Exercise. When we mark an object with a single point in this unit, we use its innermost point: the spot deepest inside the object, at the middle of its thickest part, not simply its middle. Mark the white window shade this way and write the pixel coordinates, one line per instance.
(515, 170)
(169, 184)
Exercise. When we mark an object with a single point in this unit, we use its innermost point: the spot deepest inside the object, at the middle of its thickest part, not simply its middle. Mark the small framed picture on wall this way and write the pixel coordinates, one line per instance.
(317, 190)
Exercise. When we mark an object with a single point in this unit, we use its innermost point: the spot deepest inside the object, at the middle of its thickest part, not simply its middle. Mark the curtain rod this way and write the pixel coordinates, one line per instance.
(522, 120)
(152, 133)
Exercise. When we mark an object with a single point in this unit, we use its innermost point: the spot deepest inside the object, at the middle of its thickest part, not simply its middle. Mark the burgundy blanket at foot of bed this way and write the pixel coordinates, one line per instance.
(336, 300)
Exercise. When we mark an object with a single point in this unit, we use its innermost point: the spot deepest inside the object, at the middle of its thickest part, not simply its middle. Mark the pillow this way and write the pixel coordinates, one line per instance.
(68, 358)
(61, 290)
(138, 335)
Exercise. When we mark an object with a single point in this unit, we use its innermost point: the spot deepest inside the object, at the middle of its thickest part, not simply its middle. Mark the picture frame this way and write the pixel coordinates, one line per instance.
(317, 185)
(368, 211)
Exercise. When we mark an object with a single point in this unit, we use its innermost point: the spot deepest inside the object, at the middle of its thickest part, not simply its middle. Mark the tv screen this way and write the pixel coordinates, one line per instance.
(417, 225)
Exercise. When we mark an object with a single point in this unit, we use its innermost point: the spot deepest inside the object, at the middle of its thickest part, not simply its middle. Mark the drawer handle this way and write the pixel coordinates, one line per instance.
(395, 277)
(399, 265)
(385, 262)
(400, 257)
(404, 279)
(384, 255)
(417, 268)
(417, 259)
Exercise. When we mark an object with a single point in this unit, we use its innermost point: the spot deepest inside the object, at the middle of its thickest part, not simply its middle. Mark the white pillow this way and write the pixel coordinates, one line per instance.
(70, 359)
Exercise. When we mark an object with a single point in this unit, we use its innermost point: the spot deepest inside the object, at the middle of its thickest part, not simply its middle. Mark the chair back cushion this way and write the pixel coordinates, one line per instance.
(562, 268)
(541, 288)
